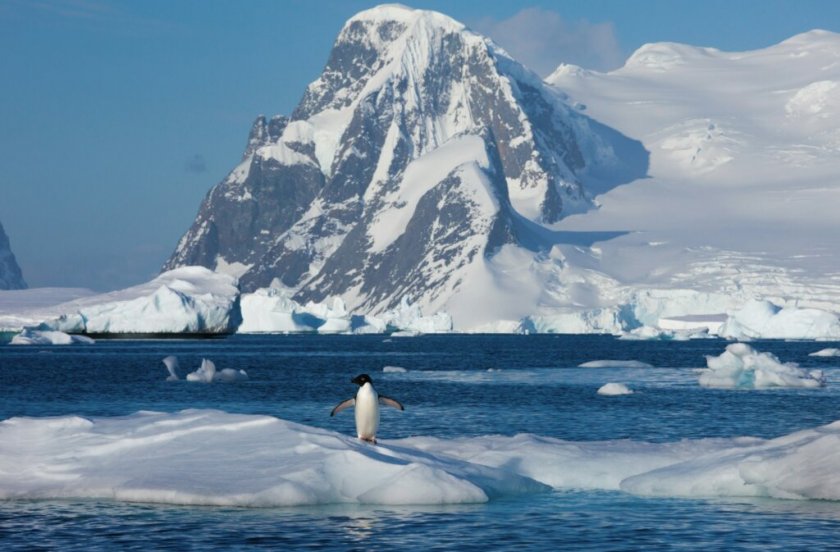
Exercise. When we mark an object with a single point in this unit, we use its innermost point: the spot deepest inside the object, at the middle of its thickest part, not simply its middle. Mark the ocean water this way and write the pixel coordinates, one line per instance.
(453, 386)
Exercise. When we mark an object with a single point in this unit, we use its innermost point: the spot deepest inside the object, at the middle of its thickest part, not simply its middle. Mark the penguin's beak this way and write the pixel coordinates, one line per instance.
(357, 380)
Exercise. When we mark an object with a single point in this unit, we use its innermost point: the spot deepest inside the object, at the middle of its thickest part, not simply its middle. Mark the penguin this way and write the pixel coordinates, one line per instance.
(367, 402)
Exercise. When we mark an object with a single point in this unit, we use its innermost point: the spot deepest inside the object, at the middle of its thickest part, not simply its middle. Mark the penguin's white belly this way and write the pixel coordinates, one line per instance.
(367, 412)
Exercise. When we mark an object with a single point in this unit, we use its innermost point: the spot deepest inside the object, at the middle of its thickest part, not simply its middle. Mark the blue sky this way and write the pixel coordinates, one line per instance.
(117, 117)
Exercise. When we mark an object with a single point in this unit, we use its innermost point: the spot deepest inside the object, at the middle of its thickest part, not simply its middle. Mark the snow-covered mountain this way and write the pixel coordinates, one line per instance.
(744, 182)
(423, 163)
(426, 163)
(10, 274)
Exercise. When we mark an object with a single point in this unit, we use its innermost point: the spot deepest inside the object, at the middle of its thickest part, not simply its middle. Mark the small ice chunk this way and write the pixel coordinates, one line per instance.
(615, 364)
(207, 373)
(230, 375)
(614, 389)
(826, 353)
(742, 367)
(171, 363)
(394, 370)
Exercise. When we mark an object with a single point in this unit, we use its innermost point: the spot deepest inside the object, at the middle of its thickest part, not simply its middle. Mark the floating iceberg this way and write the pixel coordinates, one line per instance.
(37, 337)
(208, 457)
(764, 320)
(614, 389)
(187, 300)
(742, 367)
(272, 310)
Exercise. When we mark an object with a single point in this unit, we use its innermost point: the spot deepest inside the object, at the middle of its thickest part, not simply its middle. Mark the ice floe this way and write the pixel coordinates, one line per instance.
(207, 373)
(394, 370)
(614, 389)
(615, 364)
(208, 457)
(830, 352)
(30, 336)
(742, 367)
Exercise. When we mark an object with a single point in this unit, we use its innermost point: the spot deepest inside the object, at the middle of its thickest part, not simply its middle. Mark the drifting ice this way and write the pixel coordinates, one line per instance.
(613, 389)
(742, 367)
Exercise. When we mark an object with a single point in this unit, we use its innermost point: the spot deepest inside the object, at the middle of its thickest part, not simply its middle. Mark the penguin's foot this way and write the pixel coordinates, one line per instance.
(371, 440)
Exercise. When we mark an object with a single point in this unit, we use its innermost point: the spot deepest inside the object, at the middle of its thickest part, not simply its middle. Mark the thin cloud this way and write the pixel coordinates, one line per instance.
(196, 164)
(542, 39)
(87, 13)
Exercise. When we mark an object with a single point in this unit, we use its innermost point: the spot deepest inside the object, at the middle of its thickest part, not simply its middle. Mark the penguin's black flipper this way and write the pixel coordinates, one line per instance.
(388, 401)
(342, 405)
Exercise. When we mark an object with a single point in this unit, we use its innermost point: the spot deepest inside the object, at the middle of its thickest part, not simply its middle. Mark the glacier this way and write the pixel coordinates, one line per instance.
(210, 457)
(636, 216)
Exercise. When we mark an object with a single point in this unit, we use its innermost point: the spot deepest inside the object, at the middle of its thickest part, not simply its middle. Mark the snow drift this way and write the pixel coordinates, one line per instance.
(208, 457)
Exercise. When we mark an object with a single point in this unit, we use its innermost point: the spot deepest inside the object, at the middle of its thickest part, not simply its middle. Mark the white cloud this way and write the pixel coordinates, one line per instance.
(542, 40)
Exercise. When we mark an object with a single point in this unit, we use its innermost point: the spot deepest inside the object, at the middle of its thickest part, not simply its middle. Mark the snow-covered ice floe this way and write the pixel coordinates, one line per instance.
(615, 364)
(187, 300)
(612, 389)
(36, 337)
(208, 457)
(831, 352)
(742, 367)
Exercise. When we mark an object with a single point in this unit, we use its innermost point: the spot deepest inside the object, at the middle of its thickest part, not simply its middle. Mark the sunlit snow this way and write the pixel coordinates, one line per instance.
(208, 457)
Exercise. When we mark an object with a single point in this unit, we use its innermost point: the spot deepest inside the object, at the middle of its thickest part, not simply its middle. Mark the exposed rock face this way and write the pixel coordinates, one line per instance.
(10, 274)
(420, 151)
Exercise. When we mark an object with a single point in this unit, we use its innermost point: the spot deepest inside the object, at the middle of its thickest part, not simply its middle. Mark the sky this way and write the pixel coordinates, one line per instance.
(117, 117)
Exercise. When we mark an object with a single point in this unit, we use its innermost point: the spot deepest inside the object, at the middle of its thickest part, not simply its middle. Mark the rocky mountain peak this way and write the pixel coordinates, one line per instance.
(10, 274)
(421, 149)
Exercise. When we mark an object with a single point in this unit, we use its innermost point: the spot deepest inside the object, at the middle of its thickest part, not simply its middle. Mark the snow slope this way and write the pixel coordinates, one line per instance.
(744, 166)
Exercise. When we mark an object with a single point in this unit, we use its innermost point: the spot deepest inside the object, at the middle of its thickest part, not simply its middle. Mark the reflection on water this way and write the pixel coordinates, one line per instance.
(575, 520)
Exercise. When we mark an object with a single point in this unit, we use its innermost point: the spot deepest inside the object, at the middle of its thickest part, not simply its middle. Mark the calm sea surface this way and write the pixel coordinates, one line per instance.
(454, 386)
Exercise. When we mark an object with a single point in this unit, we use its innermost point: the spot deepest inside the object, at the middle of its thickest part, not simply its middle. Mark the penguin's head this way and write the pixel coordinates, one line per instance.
(361, 379)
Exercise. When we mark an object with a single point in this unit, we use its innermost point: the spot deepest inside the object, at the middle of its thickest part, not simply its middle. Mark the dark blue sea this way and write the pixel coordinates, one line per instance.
(453, 386)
